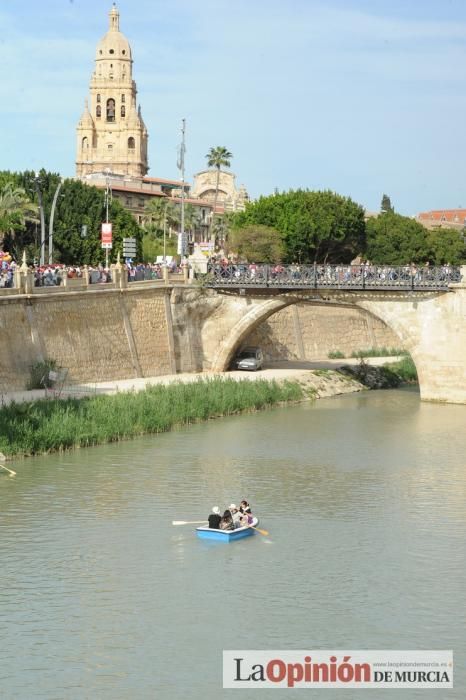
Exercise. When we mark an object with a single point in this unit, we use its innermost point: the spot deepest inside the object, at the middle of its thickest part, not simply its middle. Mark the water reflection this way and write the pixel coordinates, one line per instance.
(364, 497)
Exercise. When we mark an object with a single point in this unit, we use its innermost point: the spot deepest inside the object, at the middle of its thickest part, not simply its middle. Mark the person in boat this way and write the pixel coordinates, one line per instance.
(215, 518)
(226, 522)
(244, 507)
(236, 516)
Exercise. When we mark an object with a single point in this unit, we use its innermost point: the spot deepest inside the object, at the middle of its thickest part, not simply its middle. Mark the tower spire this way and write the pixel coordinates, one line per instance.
(114, 19)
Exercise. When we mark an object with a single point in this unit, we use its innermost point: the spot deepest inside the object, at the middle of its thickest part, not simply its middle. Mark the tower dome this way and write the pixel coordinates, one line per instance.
(111, 133)
(114, 44)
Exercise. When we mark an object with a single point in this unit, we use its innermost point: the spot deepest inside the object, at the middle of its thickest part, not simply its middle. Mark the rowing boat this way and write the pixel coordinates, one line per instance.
(210, 533)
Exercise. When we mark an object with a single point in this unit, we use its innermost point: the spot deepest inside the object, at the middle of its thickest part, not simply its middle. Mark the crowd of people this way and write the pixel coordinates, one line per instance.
(356, 273)
(7, 270)
(232, 518)
(53, 275)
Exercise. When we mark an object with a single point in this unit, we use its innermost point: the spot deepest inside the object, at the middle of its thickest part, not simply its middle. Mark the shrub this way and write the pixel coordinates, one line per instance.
(39, 374)
(335, 355)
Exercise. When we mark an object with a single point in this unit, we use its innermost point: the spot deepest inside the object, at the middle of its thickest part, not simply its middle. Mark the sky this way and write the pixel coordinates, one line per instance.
(362, 97)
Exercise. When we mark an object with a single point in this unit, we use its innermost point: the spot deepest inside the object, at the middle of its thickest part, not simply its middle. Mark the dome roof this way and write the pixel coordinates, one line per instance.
(114, 44)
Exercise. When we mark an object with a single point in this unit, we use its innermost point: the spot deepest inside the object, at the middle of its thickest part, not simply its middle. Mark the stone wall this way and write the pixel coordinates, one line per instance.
(98, 335)
(108, 334)
(310, 332)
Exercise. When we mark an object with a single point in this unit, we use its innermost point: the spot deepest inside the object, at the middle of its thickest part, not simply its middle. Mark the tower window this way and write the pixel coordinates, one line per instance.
(123, 99)
(123, 112)
(110, 146)
(123, 52)
(131, 143)
(110, 110)
(98, 112)
(111, 65)
(111, 51)
(98, 98)
(85, 143)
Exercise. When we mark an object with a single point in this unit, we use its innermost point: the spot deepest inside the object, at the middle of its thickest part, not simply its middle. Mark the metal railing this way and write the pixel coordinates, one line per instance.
(333, 276)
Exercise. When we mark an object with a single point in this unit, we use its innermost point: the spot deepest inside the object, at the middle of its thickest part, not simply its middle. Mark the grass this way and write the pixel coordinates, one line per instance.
(336, 355)
(51, 425)
(405, 369)
(378, 352)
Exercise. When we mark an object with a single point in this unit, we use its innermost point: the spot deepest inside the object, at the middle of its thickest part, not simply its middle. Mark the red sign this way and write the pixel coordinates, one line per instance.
(106, 235)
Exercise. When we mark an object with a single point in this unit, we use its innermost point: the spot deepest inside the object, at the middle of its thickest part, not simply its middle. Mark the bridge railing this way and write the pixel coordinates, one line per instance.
(333, 276)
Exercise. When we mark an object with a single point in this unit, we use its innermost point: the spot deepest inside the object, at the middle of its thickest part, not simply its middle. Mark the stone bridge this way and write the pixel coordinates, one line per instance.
(430, 323)
(119, 331)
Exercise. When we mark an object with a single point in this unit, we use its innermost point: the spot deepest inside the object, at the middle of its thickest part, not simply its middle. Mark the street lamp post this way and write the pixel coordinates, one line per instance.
(42, 220)
(108, 196)
(52, 216)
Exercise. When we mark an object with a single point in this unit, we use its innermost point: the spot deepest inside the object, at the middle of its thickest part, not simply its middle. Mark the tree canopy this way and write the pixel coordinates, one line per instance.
(314, 226)
(386, 205)
(393, 239)
(257, 243)
(79, 205)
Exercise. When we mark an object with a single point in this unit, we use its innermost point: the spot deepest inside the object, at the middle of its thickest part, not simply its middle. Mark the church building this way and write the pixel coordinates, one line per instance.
(112, 142)
(111, 133)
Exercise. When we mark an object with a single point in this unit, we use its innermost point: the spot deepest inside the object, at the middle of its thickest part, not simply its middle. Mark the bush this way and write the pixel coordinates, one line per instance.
(335, 355)
(378, 352)
(39, 374)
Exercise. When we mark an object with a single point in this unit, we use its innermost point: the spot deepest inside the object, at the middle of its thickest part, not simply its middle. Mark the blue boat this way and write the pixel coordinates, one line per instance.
(210, 533)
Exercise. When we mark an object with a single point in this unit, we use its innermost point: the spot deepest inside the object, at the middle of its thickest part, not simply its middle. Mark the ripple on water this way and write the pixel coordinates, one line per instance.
(364, 499)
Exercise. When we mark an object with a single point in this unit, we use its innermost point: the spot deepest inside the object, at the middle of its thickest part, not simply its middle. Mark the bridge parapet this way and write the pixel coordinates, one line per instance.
(365, 277)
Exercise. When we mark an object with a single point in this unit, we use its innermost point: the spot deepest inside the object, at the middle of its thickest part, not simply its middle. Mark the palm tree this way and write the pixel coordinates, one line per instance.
(217, 157)
(15, 210)
(159, 213)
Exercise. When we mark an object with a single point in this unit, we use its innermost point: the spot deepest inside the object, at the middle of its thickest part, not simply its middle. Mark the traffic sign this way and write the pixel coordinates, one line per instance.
(106, 235)
(129, 247)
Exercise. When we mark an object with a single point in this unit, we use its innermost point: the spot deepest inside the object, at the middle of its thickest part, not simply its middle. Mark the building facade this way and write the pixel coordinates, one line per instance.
(229, 197)
(443, 218)
(111, 134)
(112, 144)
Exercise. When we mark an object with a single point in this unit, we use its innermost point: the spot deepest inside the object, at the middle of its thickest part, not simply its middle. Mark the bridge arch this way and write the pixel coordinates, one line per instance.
(240, 331)
(431, 326)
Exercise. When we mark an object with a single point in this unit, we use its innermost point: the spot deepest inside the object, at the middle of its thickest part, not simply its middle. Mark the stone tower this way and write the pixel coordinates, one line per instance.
(111, 134)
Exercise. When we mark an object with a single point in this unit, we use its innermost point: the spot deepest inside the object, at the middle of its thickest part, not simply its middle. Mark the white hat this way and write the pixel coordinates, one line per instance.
(233, 507)
(216, 510)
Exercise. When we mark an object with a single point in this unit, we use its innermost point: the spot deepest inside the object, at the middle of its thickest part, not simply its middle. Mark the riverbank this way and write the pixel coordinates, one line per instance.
(102, 414)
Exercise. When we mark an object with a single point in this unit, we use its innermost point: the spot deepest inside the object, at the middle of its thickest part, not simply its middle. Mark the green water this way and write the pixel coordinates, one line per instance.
(364, 497)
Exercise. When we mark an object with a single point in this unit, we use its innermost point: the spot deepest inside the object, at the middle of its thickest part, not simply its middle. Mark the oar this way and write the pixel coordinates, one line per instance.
(10, 471)
(263, 532)
(188, 522)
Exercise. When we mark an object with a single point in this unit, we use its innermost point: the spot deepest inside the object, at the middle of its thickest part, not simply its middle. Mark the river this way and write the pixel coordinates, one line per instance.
(364, 497)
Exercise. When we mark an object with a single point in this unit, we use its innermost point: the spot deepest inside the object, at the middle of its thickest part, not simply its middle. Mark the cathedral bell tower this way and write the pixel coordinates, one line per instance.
(111, 134)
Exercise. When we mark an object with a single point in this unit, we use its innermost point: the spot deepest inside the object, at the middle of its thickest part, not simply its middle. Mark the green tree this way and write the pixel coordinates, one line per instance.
(15, 210)
(78, 205)
(216, 158)
(446, 246)
(393, 239)
(257, 243)
(314, 226)
(386, 205)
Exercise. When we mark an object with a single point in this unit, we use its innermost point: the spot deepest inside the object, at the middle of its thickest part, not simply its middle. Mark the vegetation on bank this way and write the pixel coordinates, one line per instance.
(387, 376)
(368, 352)
(50, 425)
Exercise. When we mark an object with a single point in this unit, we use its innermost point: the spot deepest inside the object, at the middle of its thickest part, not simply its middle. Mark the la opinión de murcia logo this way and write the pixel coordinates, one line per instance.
(338, 669)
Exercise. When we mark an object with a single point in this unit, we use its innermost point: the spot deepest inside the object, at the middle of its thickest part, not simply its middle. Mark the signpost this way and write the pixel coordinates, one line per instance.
(129, 248)
(106, 240)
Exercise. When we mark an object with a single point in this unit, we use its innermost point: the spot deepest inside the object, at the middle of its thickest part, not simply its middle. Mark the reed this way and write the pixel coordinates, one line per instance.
(50, 425)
